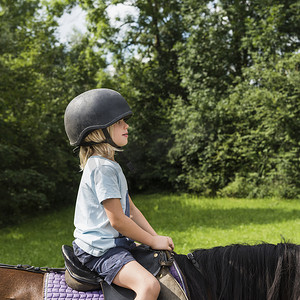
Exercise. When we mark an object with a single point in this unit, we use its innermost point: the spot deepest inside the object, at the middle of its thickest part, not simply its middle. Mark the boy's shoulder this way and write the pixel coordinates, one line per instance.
(100, 162)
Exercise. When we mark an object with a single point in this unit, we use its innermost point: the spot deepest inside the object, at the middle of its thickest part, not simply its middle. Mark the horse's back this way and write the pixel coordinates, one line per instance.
(18, 284)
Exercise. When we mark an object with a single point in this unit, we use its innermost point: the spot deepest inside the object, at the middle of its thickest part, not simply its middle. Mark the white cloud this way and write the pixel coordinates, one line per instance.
(70, 22)
(76, 20)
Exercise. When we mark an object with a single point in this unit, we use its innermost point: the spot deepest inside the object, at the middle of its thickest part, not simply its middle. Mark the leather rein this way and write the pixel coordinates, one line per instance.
(41, 270)
(192, 259)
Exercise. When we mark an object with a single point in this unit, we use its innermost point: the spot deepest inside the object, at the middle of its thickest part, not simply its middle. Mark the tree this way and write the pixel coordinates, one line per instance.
(144, 60)
(39, 76)
(227, 43)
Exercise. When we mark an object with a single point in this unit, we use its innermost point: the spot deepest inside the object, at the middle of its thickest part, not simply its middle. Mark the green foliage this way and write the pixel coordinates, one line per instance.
(236, 132)
(214, 86)
(38, 78)
(264, 109)
(144, 59)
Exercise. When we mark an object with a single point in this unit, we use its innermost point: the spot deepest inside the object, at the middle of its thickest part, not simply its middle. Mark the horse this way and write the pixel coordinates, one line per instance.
(20, 284)
(238, 271)
(263, 271)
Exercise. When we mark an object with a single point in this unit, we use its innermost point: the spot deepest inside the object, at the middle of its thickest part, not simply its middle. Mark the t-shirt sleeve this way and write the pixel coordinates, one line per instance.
(106, 183)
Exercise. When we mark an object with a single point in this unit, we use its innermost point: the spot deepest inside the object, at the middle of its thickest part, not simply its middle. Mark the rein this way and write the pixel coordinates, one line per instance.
(41, 270)
(192, 259)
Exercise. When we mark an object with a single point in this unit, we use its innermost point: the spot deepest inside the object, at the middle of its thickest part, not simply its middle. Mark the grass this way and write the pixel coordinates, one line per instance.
(191, 221)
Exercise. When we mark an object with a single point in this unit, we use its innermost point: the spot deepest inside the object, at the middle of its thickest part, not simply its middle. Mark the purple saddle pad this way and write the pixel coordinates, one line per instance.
(55, 287)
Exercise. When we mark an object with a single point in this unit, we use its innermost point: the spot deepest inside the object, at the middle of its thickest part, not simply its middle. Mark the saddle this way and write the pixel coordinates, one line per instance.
(80, 278)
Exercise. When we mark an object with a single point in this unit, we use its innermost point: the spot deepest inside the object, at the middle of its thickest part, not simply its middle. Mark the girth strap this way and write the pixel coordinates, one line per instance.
(32, 268)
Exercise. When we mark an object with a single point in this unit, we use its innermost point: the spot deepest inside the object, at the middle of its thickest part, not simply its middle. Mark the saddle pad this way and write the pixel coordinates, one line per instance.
(55, 287)
(176, 273)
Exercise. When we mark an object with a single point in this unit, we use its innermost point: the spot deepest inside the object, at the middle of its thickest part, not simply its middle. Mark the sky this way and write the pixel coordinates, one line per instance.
(69, 22)
(76, 19)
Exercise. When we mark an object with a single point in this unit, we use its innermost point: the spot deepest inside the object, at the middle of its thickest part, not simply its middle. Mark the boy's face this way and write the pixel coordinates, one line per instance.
(119, 133)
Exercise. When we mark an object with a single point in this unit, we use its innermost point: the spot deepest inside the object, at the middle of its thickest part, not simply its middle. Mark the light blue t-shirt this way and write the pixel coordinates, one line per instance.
(101, 179)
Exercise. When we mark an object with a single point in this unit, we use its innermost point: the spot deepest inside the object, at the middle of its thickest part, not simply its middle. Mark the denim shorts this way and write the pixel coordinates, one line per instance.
(108, 265)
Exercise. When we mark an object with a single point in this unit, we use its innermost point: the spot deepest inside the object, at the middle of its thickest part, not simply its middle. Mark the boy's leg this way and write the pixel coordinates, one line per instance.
(137, 278)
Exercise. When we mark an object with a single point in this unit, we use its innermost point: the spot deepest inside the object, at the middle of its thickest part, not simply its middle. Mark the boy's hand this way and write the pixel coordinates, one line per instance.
(160, 242)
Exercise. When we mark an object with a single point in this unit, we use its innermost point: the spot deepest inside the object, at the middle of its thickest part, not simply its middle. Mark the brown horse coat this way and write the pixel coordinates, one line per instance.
(21, 285)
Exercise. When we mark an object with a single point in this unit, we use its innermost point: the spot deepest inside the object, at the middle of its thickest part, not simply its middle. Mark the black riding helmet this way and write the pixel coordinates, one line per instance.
(92, 110)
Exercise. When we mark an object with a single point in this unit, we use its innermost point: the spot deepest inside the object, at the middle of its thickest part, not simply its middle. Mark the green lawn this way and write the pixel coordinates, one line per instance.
(191, 221)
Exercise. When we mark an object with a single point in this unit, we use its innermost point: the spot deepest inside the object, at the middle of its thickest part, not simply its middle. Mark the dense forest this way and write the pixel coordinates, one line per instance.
(214, 87)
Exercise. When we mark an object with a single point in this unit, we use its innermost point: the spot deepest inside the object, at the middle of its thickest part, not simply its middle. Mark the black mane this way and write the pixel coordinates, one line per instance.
(243, 272)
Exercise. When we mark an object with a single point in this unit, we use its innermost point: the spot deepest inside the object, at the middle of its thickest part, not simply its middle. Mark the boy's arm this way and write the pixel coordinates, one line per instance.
(129, 228)
(139, 219)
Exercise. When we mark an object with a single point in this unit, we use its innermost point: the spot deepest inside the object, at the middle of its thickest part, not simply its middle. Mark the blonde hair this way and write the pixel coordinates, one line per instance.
(104, 149)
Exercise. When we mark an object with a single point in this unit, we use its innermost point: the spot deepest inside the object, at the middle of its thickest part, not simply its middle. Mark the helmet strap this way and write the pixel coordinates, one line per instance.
(109, 140)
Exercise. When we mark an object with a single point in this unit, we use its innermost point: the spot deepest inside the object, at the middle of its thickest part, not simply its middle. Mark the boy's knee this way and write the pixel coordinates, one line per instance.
(152, 286)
